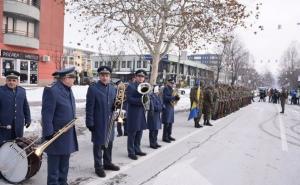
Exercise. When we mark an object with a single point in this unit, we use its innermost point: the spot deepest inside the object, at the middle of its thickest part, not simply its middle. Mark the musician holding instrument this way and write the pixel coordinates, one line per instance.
(58, 109)
(154, 118)
(136, 118)
(100, 102)
(14, 108)
(169, 99)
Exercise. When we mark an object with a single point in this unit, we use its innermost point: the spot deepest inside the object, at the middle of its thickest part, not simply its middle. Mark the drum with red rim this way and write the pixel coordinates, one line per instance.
(18, 161)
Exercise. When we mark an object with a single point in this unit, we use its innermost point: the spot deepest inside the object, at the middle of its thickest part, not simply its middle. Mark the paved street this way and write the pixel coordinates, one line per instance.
(255, 146)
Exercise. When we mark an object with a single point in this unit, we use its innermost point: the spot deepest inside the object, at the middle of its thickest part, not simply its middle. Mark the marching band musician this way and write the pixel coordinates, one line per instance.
(136, 120)
(168, 111)
(14, 108)
(154, 119)
(100, 100)
(58, 109)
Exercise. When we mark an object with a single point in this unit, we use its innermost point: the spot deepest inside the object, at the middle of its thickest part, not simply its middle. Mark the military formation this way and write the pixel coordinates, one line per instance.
(146, 106)
(215, 102)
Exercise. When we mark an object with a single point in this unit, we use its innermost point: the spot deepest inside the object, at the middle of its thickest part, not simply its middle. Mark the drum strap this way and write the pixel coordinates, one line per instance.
(8, 127)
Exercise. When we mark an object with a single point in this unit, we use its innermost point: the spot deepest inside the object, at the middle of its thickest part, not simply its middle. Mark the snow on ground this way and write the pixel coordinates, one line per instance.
(34, 96)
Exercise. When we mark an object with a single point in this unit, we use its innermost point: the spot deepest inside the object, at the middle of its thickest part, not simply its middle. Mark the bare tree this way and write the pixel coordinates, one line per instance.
(290, 66)
(236, 57)
(159, 22)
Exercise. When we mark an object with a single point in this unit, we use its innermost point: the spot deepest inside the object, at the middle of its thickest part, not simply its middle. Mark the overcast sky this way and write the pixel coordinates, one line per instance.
(279, 19)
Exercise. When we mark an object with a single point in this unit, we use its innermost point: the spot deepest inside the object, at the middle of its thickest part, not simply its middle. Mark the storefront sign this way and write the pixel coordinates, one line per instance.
(19, 55)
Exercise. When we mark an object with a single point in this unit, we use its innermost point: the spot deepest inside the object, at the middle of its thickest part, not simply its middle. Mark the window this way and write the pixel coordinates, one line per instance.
(109, 63)
(71, 60)
(129, 64)
(139, 64)
(114, 64)
(96, 65)
(123, 64)
(18, 26)
(145, 64)
(7, 65)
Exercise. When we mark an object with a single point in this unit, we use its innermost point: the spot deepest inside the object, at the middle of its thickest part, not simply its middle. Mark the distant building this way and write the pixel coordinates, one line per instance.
(213, 60)
(170, 66)
(80, 59)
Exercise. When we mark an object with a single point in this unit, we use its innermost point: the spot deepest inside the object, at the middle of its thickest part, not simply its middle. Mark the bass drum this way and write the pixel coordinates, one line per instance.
(17, 164)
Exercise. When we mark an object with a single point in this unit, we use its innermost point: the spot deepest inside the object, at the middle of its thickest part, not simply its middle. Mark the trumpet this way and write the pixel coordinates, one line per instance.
(39, 150)
(144, 89)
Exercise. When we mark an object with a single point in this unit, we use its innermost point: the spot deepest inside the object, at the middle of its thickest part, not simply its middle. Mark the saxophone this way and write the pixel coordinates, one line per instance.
(175, 93)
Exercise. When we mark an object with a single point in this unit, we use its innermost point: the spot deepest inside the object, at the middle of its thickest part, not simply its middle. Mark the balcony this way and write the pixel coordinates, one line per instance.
(20, 39)
(29, 8)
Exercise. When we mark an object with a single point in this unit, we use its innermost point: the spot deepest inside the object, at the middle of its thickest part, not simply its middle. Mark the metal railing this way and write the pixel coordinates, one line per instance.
(19, 32)
(35, 3)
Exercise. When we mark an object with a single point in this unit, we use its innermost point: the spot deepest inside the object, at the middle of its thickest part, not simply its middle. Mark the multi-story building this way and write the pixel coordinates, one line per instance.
(214, 61)
(123, 66)
(80, 59)
(31, 40)
(170, 66)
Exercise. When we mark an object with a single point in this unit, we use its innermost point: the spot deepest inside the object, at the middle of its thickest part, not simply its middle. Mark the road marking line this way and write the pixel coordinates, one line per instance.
(284, 145)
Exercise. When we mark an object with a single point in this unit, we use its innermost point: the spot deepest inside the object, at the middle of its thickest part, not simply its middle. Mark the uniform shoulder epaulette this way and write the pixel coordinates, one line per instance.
(92, 83)
(21, 87)
(50, 85)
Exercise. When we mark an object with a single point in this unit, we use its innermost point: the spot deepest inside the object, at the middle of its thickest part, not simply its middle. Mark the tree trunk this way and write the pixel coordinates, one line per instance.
(218, 74)
(154, 70)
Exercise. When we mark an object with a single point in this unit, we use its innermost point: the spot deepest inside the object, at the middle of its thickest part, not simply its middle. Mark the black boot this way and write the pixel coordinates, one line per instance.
(100, 172)
(197, 125)
(208, 123)
(165, 137)
(111, 167)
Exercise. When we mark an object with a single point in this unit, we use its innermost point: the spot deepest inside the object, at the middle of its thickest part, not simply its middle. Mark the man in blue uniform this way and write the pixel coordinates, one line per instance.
(168, 111)
(100, 101)
(58, 109)
(14, 108)
(136, 120)
(154, 119)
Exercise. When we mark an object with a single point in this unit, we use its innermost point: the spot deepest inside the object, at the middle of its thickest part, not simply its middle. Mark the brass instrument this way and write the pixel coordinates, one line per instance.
(118, 114)
(39, 150)
(175, 93)
(144, 89)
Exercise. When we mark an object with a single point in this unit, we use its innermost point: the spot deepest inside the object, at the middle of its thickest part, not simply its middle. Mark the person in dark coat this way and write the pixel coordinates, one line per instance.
(136, 119)
(100, 100)
(58, 109)
(14, 108)
(283, 97)
(207, 105)
(153, 117)
(196, 98)
(168, 111)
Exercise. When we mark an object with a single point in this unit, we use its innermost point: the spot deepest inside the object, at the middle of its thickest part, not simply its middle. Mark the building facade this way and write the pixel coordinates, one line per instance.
(170, 66)
(31, 40)
(123, 66)
(213, 60)
(80, 59)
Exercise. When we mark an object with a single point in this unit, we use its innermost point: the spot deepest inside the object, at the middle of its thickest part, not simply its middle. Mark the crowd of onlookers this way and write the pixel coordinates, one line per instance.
(273, 95)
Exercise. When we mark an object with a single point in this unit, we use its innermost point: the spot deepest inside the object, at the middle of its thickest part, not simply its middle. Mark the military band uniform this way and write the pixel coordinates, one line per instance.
(136, 120)
(100, 100)
(168, 112)
(58, 109)
(14, 110)
(154, 119)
